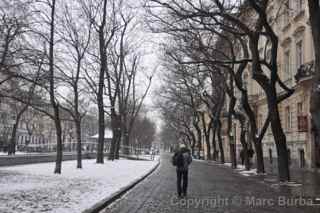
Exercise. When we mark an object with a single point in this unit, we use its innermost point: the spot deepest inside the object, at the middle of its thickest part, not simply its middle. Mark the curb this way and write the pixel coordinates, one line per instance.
(116, 195)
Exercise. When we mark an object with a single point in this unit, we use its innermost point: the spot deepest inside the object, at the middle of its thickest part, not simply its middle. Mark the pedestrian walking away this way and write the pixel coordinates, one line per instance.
(242, 156)
(181, 160)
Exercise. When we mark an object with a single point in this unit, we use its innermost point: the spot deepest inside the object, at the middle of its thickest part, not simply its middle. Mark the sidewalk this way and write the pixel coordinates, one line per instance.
(212, 188)
(310, 181)
(303, 182)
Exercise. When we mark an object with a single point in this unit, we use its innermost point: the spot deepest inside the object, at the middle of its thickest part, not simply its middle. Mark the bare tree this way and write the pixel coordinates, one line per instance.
(105, 26)
(144, 138)
(19, 108)
(13, 26)
(52, 92)
(76, 39)
(314, 12)
(229, 16)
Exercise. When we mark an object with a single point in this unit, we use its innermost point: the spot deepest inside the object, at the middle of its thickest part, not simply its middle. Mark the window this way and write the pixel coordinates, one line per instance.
(288, 118)
(287, 67)
(302, 119)
(299, 108)
(299, 5)
(286, 13)
(299, 54)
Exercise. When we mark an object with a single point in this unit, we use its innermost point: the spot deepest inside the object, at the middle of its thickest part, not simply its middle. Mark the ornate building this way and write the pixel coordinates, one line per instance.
(289, 19)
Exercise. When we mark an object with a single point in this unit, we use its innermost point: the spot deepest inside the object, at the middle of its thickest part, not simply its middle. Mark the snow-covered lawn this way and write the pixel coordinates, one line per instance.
(34, 188)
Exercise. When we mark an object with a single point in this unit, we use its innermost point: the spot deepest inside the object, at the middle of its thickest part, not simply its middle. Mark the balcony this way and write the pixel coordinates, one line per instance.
(253, 98)
(305, 72)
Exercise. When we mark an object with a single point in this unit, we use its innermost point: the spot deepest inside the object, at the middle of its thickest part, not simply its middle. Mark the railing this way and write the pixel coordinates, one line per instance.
(305, 71)
(252, 98)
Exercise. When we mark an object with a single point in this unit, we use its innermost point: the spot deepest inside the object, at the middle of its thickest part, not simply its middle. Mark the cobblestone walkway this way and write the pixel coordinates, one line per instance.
(212, 188)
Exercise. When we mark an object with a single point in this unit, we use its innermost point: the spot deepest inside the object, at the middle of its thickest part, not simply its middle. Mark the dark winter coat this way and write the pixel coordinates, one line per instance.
(187, 159)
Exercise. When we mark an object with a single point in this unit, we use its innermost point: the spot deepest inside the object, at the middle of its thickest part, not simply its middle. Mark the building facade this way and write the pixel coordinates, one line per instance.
(295, 59)
(289, 20)
(36, 131)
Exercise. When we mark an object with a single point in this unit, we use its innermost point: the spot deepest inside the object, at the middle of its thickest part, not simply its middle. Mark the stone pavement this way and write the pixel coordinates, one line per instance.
(309, 180)
(212, 188)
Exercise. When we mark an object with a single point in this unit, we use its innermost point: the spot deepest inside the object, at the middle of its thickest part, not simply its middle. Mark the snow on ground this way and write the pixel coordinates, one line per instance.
(287, 183)
(19, 153)
(241, 167)
(34, 188)
(199, 160)
(249, 173)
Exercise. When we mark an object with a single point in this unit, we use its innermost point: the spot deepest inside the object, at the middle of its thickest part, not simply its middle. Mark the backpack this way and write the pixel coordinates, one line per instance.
(178, 159)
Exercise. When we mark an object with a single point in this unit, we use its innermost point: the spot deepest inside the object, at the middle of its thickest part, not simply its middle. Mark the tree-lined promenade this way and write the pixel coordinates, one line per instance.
(61, 59)
(216, 49)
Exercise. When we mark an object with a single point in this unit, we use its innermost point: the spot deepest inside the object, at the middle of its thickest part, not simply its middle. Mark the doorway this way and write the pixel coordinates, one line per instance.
(317, 149)
(270, 156)
(302, 158)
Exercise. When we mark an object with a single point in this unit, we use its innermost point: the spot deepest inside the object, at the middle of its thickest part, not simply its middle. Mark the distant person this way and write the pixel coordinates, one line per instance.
(250, 154)
(152, 152)
(182, 159)
(242, 156)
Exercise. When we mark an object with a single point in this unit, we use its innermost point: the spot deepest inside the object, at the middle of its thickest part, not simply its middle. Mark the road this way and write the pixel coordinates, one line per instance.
(212, 188)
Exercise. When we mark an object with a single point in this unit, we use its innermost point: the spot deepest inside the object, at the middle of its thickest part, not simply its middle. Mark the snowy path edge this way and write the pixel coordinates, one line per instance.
(116, 195)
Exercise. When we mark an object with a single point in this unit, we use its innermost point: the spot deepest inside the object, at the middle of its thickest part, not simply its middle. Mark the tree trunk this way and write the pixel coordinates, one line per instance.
(259, 153)
(126, 139)
(257, 141)
(100, 99)
(253, 131)
(12, 145)
(279, 137)
(233, 155)
(214, 144)
(245, 148)
(116, 155)
(208, 146)
(54, 104)
(231, 134)
(79, 144)
(100, 157)
(113, 145)
(193, 143)
(199, 137)
(57, 169)
(206, 132)
(314, 11)
(222, 160)
(116, 130)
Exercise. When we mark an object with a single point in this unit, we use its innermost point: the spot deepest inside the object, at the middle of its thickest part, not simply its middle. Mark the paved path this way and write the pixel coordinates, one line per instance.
(212, 188)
